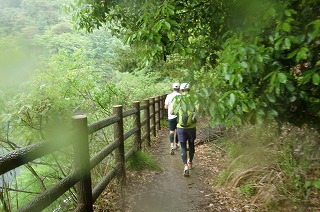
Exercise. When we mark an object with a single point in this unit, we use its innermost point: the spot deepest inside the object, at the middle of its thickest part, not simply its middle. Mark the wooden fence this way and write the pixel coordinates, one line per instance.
(80, 178)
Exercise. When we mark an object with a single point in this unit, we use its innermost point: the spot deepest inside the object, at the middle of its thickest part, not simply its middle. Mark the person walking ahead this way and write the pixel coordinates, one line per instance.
(186, 107)
(172, 118)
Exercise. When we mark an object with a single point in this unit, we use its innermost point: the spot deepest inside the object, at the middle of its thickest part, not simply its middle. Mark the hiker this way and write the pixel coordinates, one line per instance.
(172, 118)
(186, 107)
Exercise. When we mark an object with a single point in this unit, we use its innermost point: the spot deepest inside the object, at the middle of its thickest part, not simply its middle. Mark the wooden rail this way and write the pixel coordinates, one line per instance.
(151, 110)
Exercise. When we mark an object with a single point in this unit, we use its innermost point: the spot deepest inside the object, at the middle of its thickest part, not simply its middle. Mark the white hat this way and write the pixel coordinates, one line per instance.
(184, 86)
(175, 85)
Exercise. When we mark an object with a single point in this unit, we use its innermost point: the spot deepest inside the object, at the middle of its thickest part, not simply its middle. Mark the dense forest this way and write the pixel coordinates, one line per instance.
(249, 62)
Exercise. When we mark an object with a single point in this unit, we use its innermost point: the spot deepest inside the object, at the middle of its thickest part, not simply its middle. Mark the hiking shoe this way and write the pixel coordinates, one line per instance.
(186, 170)
(177, 146)
(172, 151)
(189, 164)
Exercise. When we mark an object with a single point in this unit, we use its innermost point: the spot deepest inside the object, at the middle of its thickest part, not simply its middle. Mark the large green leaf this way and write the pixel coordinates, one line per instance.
(232, 100)
(316, 79)
(287, 43)
(238, 120)
(302, 54)
(306, 78)
(244, 107)
(286, 27)
(244, 64)
(290, 86)
(271, 97)
(282, 77)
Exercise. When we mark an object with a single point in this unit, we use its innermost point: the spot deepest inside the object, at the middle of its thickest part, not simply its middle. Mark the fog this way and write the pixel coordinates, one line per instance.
(16, 65)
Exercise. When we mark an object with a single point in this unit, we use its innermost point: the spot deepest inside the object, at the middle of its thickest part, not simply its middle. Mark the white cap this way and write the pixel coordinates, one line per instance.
(184, 86)
(175, 85)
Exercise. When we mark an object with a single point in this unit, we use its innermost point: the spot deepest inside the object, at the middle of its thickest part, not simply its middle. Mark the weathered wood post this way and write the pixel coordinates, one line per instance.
(147, 117)
(136, 105)
(82, 161)
(158, 109)
(153, 116)
(118, 136)
(165, 115)
(165, 111)
(161, 107)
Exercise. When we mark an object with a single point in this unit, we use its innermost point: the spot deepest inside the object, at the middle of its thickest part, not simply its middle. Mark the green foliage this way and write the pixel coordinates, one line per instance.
(28, 17)
(140, 84)
(141, 161)
(164, 27)
(42, 108)
(31, 184)
(255, 60)
(64, 87)
(176, 67)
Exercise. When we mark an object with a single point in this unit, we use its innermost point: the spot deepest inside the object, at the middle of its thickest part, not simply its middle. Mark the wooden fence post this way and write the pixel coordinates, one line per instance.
(165, 115)
(136, 105)
(161, 107)
(165, 111)
(153, 116)
(82, 161)
(118, 135)
(147, 117)
(158, 109)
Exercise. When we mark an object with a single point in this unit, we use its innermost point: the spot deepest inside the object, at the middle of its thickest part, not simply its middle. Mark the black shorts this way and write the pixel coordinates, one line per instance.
(173, 124)
(186, 134)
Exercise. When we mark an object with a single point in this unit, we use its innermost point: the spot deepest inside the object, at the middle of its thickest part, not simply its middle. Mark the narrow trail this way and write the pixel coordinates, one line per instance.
(169, 190)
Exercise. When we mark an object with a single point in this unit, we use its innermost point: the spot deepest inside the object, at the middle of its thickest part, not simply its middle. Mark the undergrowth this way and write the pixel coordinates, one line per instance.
(273, 170)
(142, 160)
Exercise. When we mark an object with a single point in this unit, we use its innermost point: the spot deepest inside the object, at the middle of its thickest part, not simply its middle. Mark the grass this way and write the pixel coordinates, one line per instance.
(271, 168)
(248, 189)
(141, 161)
